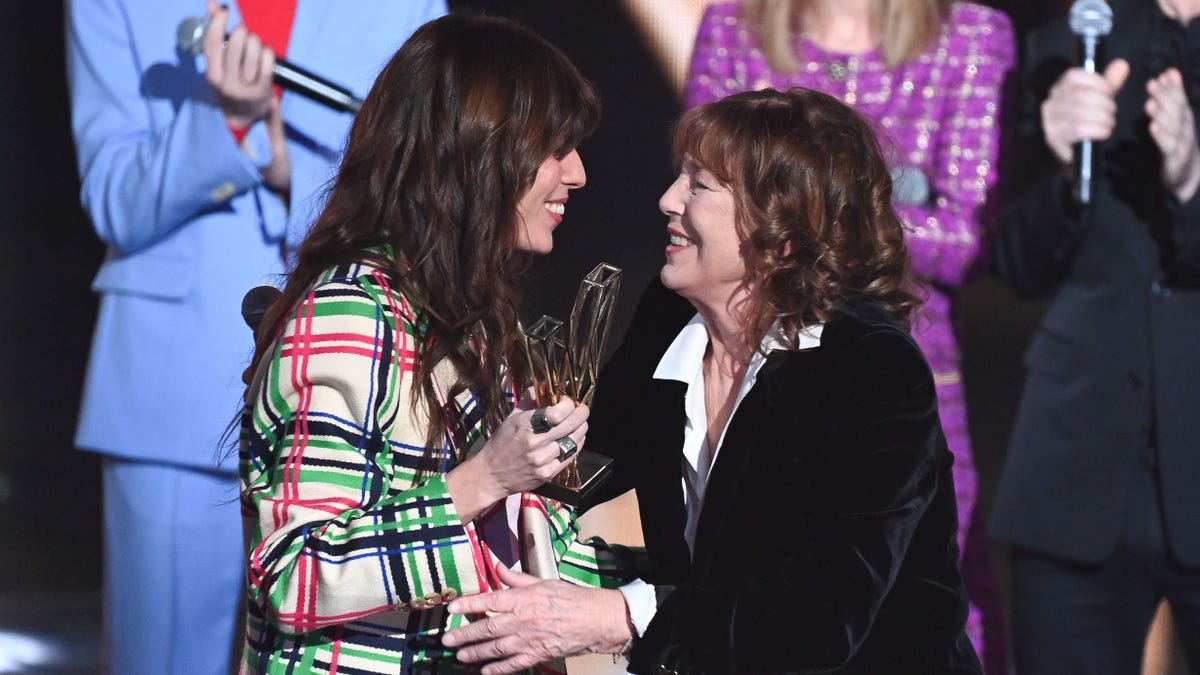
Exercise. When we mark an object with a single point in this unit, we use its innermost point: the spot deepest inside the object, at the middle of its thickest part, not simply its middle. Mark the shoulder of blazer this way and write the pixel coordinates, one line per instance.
(860, 328)
(857, 318)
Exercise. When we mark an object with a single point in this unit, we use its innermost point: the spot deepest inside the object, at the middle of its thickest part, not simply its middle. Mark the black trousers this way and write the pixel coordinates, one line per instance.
(1076, 618)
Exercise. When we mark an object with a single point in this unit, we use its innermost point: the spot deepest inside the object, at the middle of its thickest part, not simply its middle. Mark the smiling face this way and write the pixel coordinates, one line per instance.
(543, 206)
(706, 257)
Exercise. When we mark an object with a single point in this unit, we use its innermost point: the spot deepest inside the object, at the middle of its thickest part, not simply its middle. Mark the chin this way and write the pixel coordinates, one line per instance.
(537, 247)
(681, 285)
(667, 277)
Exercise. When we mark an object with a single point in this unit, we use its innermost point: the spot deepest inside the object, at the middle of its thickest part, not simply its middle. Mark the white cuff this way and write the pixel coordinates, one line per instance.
(642, 602)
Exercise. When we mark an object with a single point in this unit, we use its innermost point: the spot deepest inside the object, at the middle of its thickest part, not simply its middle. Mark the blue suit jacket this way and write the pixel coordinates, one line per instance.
(188, 224)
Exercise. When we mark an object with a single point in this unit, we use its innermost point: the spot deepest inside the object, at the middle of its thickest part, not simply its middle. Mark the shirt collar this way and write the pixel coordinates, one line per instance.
(686, 353)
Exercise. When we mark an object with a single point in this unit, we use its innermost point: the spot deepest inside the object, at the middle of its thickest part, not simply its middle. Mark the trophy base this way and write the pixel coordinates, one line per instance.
(594, 469)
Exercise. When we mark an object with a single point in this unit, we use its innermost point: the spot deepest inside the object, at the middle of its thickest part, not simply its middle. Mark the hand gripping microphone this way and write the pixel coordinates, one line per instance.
(1090, 20)
(190, 40)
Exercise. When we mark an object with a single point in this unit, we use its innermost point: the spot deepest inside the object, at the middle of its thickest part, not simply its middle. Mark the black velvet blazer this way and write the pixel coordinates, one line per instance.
(827, 537)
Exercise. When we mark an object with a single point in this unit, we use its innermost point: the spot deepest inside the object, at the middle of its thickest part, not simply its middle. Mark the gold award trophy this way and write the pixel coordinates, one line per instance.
(566, 361)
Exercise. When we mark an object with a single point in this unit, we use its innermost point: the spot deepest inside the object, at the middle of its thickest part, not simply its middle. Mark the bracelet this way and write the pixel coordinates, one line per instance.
(623, 652)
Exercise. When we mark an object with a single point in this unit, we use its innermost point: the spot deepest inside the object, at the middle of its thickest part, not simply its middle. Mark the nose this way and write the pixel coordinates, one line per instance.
(573, 173)
(671, 201)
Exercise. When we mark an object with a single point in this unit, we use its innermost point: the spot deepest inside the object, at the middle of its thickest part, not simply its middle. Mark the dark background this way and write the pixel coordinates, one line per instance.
(49, 493)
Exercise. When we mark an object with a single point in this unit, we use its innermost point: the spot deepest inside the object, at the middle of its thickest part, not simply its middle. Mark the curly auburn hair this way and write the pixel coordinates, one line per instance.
(813, 198)
(447, 142)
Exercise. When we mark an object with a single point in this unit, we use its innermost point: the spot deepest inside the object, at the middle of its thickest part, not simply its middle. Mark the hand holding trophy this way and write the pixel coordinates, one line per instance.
(566, 362)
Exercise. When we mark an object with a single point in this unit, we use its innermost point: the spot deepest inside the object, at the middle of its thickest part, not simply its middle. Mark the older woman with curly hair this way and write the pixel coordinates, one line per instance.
(929, 74)
(778, 421)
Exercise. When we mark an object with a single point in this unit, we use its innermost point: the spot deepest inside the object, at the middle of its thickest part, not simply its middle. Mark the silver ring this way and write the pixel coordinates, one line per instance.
(566, 448)
(540, 424)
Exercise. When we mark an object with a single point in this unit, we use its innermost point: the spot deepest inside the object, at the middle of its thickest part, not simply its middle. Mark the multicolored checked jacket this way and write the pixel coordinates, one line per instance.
(351, 557)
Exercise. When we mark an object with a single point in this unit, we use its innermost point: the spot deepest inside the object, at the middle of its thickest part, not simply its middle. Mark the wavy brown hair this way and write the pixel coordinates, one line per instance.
(904, 28)
(447, 142)
(813, 198)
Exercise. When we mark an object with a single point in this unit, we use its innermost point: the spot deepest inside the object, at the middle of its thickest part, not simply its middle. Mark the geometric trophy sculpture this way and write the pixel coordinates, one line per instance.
(565, 360)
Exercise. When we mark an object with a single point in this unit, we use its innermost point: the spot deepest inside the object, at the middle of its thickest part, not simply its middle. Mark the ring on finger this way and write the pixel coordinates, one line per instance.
(539, 422)
(566, 448)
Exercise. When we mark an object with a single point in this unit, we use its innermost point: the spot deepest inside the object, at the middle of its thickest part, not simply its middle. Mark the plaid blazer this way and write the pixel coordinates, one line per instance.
(351, 557)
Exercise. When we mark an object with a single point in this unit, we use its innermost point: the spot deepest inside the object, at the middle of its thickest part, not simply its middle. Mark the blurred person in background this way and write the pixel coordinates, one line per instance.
(1098, 497)
(201, 180)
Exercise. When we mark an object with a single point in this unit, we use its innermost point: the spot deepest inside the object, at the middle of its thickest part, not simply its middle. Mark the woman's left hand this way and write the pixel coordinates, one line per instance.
(518, 456)
(535, 620)
(1173, 127)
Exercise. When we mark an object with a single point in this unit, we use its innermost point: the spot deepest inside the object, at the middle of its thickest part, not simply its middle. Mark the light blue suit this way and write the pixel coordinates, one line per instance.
(189, 228)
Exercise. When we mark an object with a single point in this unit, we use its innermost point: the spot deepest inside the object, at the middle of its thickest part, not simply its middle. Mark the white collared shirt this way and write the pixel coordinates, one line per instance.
(684, 362)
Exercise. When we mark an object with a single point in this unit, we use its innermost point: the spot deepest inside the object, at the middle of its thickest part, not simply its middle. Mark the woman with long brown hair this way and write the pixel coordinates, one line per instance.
(778, 422)
(387, 446)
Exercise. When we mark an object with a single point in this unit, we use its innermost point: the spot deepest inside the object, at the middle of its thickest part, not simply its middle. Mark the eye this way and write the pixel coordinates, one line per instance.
(695, 185)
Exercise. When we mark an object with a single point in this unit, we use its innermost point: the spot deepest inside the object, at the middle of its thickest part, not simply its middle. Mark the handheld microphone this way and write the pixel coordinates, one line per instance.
(255, 304)
(1090, 20)
(190, 40)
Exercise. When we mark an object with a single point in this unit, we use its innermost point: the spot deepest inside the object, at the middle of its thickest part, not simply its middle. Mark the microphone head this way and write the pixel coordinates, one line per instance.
(910, 185)
(256, 302)
(1090, 18)
(189, 36)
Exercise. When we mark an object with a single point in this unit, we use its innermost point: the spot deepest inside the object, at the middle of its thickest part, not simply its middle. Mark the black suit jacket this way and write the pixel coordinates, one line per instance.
(1113, 382)
(827, 538)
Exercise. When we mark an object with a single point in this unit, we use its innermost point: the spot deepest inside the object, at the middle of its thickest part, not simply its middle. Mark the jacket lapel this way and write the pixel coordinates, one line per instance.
(663, 487)
(781, 389)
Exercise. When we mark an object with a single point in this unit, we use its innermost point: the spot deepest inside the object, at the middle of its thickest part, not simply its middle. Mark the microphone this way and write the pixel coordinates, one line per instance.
(1090, 20)
(910, 186)
(189, 38)
(255, 304)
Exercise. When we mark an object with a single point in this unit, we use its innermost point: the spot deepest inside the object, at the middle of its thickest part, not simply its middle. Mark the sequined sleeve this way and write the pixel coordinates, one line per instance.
(946, 239)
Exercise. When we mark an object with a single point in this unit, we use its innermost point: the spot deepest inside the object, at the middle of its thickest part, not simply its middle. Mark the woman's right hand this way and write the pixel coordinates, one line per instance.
(240, 70)
(516, 458)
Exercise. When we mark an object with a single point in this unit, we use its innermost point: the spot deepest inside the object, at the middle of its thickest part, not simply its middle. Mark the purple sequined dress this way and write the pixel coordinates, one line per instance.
(938, 114)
